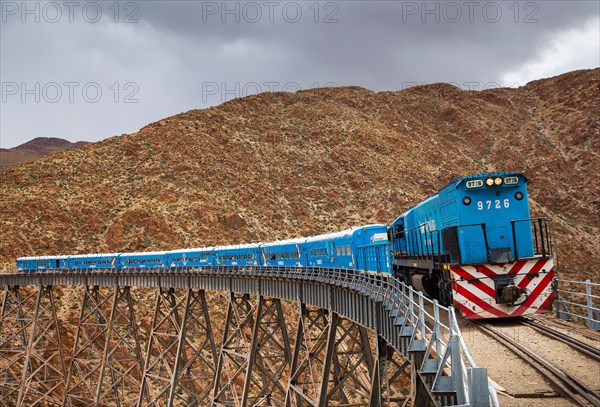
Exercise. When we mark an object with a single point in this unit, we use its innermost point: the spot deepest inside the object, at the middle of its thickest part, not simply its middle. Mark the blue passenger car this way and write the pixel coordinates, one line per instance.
(321, 250)
(145, 260)
(374, 256)
(192, 257)
(339, 250)
(237, 255)
(283, 253)
(42, 262)
(95, 261)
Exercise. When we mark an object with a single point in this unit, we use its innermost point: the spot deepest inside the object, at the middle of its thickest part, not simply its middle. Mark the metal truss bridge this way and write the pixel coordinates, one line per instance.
(228, 336)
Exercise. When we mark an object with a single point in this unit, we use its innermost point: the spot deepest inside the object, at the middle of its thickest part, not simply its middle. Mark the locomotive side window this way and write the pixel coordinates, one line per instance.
(399, 230)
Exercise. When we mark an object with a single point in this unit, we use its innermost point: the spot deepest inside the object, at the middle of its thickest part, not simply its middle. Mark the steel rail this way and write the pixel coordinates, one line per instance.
(578, 345)
(582, 330)
(563, 382)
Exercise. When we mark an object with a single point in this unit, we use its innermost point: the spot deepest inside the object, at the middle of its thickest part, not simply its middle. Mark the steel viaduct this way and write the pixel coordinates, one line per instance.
(290, 336)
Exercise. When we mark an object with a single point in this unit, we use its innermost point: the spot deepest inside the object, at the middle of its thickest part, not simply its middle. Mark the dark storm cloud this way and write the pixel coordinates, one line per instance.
(152, 59)
(462, 41)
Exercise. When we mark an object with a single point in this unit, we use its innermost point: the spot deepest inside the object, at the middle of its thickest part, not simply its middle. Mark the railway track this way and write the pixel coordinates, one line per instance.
(563, 382)
(588, 333)
(580, 346)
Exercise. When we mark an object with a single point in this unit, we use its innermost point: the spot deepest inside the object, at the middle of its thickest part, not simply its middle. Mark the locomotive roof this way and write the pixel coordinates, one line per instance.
(457, 181)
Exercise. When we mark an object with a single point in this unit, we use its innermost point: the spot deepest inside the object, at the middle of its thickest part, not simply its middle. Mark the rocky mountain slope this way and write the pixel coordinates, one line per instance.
(278, 165)
(34, 149)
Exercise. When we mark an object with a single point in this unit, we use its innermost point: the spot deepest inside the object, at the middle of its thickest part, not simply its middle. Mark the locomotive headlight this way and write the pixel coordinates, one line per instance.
(466, 200)
(498, 181)
(489, 182)
(518, 195)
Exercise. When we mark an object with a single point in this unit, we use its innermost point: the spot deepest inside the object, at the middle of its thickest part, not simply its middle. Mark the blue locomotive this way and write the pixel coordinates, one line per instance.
(472, 244)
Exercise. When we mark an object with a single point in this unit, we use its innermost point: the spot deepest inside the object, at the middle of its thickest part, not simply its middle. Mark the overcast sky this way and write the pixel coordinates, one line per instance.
(90, 70)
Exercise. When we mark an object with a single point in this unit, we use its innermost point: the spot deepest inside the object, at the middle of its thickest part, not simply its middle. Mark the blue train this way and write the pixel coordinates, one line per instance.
(472, 244)
(358, 248)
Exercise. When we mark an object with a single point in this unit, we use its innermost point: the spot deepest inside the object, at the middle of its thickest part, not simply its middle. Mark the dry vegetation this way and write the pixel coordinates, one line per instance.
(279, 165)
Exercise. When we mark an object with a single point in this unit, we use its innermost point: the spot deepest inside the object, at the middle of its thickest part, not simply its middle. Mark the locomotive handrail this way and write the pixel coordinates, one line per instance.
(415, 244)
(417, 248)
(484, 232)
(545, 236)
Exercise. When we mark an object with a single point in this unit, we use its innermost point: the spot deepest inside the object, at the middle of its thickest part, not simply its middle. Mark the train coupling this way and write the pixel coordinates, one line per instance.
(507, 292)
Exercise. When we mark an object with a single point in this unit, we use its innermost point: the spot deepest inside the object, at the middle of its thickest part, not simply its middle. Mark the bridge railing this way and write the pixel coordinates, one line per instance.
(578, 299)
(429, 329)
(437, 329)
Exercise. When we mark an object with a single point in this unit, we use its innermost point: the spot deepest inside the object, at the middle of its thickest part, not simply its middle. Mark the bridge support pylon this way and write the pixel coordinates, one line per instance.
(391, 380)
(43, 379)
(15, 325)
(256, 348)
(88, 349)
(180, 361)
(122, 360)
(335, 363)
(106, 362)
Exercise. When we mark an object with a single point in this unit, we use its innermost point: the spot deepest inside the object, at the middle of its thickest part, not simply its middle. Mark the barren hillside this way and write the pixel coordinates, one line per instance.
(278, 165)
(34, 149)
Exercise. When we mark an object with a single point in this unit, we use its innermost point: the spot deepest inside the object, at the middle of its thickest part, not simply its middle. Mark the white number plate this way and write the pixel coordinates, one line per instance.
(493, 204)
(474, 183)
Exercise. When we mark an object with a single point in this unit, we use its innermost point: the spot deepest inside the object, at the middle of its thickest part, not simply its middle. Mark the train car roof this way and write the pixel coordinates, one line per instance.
(238, 246)
(343, 233)
(82, 256)
(43, 257)
(296, 240)
(144, 253)
(193, 249)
